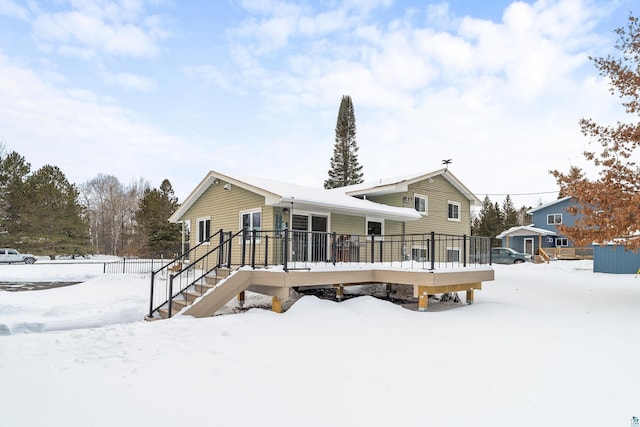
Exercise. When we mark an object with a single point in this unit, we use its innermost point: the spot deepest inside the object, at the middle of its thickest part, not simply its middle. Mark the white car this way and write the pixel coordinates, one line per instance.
(12, 256)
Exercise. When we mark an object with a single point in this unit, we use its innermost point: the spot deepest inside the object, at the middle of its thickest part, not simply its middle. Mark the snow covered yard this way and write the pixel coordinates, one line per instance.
(550, 344)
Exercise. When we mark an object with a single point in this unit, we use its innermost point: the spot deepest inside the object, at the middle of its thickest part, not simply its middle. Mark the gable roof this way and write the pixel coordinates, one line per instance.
(525, 230)
(401, 183)
(546, 205)
(284, 194)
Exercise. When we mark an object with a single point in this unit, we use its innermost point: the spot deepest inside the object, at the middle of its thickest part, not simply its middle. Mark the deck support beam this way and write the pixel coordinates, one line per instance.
(276, 305)
(340, 292)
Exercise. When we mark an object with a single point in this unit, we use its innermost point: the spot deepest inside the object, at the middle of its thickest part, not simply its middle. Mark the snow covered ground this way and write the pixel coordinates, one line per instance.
(543, 345)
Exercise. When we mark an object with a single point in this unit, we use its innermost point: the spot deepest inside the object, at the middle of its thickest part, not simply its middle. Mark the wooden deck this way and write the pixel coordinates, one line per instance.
(562, 253)
(277, 283)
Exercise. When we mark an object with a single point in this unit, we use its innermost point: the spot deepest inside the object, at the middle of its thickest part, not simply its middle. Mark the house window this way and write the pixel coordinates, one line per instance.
(453, 211)
(453, 254)
(251, 220)
(562, 241)
(420, 254)
(420, 203)
(554, 219)
(204, 229)
(375, 227)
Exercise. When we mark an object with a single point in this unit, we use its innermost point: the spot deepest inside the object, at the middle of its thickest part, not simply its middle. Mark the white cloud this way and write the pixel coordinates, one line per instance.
(491, 95)
(12, 9)
(84, 134)
(84, 31)
(130, 81)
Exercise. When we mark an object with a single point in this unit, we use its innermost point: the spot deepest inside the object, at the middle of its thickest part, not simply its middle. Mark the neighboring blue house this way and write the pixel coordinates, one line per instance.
(544, 233)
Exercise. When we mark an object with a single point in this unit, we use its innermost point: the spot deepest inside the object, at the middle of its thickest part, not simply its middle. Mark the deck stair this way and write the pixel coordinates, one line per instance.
(545, 256)
(196, 291)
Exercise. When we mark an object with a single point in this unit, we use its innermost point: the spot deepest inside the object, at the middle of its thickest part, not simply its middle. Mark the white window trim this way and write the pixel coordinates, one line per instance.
(426, 203)
(198, 221)
(250, 212)
(554, 219)
(374, 219)
(420, 248)
(455, 249)
(562, 239)
(459, 205)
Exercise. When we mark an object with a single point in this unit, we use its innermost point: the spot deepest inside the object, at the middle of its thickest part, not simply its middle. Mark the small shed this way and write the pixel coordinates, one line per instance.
(614, 258)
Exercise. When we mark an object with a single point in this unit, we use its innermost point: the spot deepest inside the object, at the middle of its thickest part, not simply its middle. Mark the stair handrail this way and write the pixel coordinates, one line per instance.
(225, 243)
(173, 261)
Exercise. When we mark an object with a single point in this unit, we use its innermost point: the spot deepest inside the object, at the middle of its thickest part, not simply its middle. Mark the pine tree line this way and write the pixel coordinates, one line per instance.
(493, 218)
(43, 213)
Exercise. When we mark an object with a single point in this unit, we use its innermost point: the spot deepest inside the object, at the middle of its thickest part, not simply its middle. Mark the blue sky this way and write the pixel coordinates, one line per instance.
(166, 89)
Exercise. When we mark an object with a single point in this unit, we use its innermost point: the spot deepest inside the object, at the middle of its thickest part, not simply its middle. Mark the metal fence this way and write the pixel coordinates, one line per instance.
(134, 265)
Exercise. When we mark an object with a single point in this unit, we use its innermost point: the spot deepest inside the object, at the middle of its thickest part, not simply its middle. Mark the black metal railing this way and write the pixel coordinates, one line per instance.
(195, 273)
(167, 284)
(133, 265)
(303, 249)
(159, 284)
(294, 250)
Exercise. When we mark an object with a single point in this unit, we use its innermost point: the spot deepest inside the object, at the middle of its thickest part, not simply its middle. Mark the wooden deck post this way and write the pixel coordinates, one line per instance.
(276, 305)
(340, 292)
(241, 299)
(423, 299)
(469, 296)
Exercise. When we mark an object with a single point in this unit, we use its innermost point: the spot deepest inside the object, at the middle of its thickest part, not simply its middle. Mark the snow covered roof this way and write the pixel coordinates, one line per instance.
(546, 205)
(401, 183)
(299, 197)
(525, 230)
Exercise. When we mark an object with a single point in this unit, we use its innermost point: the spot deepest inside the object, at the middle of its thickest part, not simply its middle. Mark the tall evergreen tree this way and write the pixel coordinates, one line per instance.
(345, 169)
(53, 221)
(14, 170)
(488, 222)
(509, 214)
(156, 206)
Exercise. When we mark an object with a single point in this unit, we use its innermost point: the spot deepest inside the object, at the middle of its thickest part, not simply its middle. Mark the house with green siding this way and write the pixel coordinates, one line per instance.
(414, 204)
(269, 237)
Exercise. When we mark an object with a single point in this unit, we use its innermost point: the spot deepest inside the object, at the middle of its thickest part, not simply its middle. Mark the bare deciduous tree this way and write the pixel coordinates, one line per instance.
(110, 208)
(609, 207)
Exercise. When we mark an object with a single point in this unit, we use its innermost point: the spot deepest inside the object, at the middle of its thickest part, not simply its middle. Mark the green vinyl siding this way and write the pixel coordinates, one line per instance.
(439, 193)
(392, 227)
(347, 224)
(394, 199)
(224, 207)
